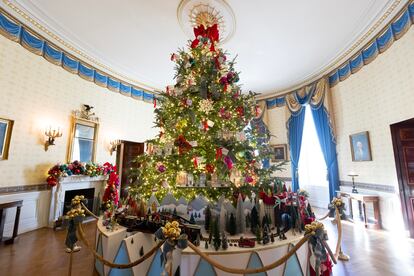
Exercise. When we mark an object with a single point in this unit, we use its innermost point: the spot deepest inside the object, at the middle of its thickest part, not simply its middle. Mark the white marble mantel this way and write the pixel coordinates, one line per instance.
(69, 183)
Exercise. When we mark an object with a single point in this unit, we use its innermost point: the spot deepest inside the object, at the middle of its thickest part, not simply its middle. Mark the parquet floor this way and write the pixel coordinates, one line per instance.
(41, 252)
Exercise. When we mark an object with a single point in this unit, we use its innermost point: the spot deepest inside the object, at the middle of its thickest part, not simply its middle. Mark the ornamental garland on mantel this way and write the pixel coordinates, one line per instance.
(206, 143)
(78, 168)
(110, 199)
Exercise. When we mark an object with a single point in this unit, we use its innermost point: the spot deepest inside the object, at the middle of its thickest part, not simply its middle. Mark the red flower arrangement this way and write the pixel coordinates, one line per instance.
(111, 195)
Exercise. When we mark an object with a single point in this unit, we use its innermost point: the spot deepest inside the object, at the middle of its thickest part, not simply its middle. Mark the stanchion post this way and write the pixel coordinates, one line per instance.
(339, 254)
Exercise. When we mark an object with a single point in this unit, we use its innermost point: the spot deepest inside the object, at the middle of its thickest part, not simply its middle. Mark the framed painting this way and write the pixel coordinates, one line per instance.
(279, 153)
(360, 147)
(6, 127)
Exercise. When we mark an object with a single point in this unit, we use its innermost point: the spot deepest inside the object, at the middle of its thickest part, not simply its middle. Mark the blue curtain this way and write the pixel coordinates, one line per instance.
(295, 128)
(328, 146)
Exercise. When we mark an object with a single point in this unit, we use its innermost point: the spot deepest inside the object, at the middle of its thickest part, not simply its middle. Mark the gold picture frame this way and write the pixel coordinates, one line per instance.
(6, 128)
(360, 146)
(279, 153)
(76, 121)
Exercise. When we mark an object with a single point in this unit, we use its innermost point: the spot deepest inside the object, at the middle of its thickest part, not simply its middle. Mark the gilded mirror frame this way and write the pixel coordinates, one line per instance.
(81, 121)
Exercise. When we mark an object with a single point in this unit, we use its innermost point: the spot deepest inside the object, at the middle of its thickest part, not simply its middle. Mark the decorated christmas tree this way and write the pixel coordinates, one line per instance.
(207, 142)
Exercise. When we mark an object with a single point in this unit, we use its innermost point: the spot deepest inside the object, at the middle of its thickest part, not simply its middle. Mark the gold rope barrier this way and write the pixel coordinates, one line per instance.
(251, 270)
(81, 235)
(88, 211)
(324, 217)
(211, 261)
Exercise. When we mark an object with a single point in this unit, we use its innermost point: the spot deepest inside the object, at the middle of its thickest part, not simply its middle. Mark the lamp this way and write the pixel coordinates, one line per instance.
(52, 134)
(353, 175)
(114, 144)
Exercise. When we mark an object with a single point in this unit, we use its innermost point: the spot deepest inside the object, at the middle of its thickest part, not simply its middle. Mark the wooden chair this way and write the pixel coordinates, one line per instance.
(3, 206)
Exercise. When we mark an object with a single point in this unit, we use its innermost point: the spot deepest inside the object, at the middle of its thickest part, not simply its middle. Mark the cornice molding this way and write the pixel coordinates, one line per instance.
(26, 19)
(389, 15)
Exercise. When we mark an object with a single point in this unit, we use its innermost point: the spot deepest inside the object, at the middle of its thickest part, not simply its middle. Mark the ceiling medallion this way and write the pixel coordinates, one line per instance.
(192, 13)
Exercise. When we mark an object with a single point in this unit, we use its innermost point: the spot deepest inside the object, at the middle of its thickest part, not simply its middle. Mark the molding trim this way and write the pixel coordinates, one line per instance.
(15, 30)
(369, 186)
(24, 188)
(350, 57)
(51, 34)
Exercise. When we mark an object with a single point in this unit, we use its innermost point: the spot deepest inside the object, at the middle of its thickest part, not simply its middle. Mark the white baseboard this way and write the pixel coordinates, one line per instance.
(34, 213)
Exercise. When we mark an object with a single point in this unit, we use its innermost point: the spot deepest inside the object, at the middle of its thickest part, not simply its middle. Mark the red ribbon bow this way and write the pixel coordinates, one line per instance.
(211, 33)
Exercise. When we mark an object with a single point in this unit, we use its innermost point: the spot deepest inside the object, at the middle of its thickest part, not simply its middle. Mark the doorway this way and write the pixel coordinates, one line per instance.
(403, 143)
(126, 153)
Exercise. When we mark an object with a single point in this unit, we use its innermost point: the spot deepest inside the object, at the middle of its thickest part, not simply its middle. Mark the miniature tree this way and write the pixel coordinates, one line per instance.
(216, 236)
(192, 220)
(254, 222)
(175, 212)
(265, 221)
(248, 219)
(232, 225)
(197, 241)
(272, 238)
(240, 220)
(224, 242)
(258, 234)
(207, 218)
(265, 239)
(222, 221)
(210, 232)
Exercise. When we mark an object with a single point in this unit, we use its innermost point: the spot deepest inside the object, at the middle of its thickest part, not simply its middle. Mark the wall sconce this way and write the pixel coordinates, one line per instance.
(114, 144)
(52, 134)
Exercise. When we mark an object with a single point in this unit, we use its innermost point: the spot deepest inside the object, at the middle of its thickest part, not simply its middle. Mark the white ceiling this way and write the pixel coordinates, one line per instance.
(279, 44)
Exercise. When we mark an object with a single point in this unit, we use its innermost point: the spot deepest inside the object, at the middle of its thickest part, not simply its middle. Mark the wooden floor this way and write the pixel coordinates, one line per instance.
(41, 252)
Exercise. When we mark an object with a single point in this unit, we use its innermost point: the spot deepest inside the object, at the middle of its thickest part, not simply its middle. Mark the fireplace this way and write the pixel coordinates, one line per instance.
(68, 187)
(89, 195)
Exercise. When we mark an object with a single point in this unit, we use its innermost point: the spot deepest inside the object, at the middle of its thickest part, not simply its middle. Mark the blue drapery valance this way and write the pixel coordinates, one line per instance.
(393, 31)
(314, 95)
(14, 30)
(275, 102)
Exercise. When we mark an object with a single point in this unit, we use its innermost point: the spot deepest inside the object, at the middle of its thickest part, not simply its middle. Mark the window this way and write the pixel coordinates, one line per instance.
(312, 166)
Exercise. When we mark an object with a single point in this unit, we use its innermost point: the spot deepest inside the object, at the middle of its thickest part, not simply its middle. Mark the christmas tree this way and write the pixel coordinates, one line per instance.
(206, 136)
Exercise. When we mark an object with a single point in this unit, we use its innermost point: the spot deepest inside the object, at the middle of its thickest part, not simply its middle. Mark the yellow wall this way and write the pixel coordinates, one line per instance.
(35, 94)
(380, 94)
(277, 127)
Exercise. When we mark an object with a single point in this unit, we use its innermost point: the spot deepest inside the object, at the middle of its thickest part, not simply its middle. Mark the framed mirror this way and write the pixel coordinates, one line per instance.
(83, 140)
